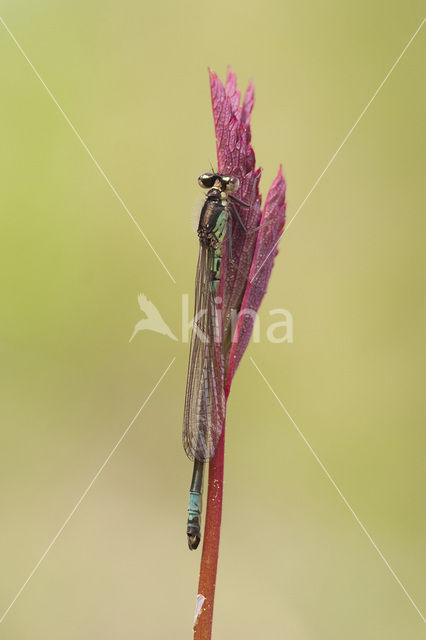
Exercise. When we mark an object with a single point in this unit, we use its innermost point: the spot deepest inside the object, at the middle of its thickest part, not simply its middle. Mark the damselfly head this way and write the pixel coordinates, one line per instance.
(224, 183)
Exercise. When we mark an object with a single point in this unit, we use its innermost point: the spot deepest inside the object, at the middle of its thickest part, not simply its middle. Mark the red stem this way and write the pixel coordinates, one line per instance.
(208, 568)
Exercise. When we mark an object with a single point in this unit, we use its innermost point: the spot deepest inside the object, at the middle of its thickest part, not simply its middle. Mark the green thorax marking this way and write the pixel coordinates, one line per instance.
(212, 231)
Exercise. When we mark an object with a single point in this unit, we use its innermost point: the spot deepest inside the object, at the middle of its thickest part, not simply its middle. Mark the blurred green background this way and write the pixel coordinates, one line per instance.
(294, 563)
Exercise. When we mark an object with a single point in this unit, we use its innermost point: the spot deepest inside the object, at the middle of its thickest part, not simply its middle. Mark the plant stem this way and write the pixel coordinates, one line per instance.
(209, 558)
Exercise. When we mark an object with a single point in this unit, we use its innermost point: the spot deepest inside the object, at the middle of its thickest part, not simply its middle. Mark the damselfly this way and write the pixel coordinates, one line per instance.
(204, 413)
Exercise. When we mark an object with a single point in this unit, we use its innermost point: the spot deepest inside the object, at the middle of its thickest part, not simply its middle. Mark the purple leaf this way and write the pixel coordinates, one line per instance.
(242, 286)
(245, 274)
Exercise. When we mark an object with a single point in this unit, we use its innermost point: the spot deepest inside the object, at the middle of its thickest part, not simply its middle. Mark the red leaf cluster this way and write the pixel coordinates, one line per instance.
(244, 279)
(246, 273)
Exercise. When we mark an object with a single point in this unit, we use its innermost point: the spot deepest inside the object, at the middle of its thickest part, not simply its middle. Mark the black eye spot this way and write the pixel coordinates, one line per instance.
(207, 180)
(232, 184)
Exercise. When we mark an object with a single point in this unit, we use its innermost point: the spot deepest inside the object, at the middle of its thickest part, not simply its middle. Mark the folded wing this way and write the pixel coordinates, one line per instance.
(204, 414)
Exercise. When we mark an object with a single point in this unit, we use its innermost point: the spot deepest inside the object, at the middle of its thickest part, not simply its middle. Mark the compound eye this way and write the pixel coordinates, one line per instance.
(232, 184)
(206, 180)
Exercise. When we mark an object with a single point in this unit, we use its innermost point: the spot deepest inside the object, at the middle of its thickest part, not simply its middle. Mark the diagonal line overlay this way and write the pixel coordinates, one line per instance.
(86, 148)
(345, 139)
(86, 491)
(338, 491)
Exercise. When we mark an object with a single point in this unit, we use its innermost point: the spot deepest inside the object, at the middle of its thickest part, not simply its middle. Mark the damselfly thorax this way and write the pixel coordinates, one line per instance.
(214, 219)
